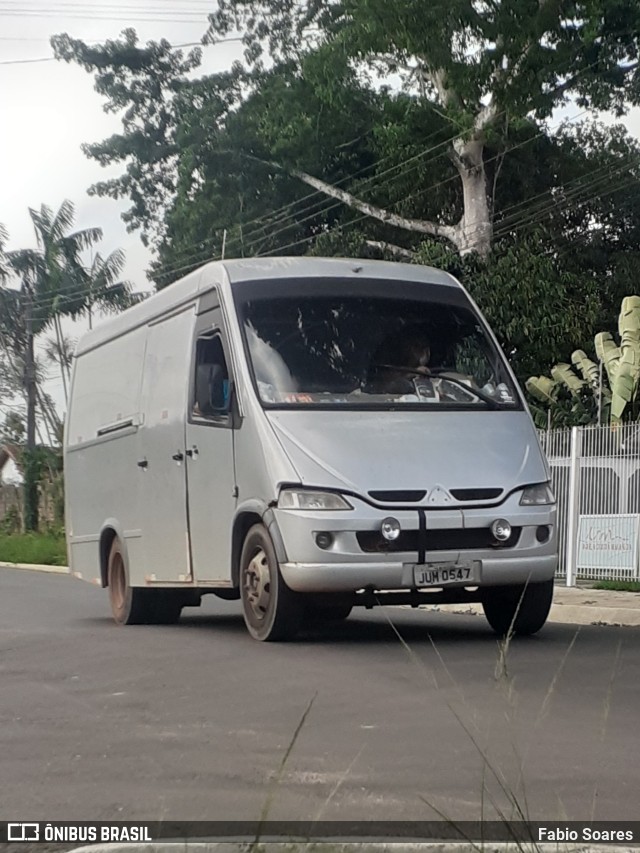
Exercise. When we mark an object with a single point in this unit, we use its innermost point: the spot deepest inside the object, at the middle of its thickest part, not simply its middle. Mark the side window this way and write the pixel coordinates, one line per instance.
(211, 380)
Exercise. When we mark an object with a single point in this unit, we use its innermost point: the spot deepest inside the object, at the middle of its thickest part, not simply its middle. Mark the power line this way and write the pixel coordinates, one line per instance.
(331, 206)
(253, 235)
(10, 13)
(173, 47)
(41, 304)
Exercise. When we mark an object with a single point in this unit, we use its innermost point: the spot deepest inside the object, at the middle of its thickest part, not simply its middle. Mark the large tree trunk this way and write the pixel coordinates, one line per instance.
(475, 230)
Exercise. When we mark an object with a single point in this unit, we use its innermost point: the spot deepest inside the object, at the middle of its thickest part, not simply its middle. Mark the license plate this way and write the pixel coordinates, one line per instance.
(442, 574)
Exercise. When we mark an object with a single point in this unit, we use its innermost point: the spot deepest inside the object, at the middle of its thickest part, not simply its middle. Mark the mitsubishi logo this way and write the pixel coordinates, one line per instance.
(438, 495)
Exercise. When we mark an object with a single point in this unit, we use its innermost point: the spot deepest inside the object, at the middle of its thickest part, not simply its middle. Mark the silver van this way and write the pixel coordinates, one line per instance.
(306, 435)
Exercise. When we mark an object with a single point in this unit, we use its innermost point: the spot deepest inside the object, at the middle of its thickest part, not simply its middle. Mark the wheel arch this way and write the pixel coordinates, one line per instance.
(111, 530)
(248, 514)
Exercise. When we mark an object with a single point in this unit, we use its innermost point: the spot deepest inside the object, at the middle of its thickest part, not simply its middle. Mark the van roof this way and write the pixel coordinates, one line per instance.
(246, 269)
(252, 269)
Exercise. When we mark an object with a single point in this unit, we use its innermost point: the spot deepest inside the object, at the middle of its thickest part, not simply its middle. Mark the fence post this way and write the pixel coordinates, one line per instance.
(573, 506)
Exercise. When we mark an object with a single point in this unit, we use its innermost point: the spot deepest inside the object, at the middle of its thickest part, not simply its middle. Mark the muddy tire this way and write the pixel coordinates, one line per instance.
(271, 610)
(526, 608)
(134, 605)
(128, 604)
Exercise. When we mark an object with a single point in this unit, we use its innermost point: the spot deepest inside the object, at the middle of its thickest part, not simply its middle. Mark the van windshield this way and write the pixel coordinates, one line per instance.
(372, 349)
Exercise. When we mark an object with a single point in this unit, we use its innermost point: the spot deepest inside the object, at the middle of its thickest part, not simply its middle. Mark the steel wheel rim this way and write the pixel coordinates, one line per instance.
(117, 582)
(257, 585)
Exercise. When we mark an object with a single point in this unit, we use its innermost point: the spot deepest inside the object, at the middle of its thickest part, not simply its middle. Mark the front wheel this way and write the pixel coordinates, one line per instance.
(522, 609)
(271, 610)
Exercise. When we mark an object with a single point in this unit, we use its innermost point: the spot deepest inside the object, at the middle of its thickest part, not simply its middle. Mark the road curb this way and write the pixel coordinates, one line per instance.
(36, 567)
(568, 614)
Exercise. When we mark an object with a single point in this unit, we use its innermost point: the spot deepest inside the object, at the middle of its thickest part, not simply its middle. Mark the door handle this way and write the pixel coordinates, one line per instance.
(193, 451)
(143, 463)
(178, 457)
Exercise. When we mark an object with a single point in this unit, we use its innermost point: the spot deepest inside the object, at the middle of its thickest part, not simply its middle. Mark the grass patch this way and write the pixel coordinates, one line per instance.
(47, 549)
(618, 586)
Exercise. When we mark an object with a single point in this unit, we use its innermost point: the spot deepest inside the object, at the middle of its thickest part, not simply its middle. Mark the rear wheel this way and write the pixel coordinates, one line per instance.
(526, 608)
(271, 610)
(134, 605)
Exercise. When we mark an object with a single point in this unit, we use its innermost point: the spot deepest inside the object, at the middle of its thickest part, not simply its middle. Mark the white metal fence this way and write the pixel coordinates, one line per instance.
(596, 477)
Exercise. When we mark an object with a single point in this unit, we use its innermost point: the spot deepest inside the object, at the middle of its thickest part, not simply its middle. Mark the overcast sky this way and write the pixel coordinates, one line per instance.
(48, 109)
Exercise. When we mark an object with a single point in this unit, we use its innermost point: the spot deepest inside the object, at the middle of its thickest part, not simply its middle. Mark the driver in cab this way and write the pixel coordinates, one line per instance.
(401, 359)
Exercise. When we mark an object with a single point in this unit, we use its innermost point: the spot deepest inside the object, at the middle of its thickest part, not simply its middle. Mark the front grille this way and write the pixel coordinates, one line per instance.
(475, 494)
(399, 496)
(372, 541)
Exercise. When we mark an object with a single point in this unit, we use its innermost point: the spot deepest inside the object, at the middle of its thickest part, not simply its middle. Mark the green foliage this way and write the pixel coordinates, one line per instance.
(11, 521)
(624, 389)
(215, 153)
(212, 159)
(142, 84)
(536, 309)
(618, 586)
(570, 399)
(530, 55)
(47, 549)
(13, 429)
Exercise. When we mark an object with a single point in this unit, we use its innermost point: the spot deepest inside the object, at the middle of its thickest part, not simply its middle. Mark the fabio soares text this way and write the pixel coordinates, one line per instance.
(584, 833)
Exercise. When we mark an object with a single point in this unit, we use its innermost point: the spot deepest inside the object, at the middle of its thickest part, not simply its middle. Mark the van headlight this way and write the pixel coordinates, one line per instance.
(538, 495)
(303, 499)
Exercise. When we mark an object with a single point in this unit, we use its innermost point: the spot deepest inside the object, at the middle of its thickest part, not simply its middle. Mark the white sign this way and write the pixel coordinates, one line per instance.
(608, 542)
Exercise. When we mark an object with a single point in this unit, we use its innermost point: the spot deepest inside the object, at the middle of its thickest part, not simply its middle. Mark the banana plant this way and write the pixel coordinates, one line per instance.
(587, 392)
(588, 369)
(625, 383)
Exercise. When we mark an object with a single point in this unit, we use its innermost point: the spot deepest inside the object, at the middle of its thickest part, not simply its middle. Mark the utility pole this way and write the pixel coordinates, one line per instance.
(30, 467)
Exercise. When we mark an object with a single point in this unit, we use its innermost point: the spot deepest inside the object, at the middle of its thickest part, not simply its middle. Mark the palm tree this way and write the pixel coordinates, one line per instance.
(102, 289)
(53, 282)
(19, 327)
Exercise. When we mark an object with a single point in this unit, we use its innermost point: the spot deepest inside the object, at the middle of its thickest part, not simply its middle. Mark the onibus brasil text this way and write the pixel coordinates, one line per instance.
(103, 832)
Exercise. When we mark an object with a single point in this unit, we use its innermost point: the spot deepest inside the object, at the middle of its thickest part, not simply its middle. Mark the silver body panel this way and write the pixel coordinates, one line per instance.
(176, 518)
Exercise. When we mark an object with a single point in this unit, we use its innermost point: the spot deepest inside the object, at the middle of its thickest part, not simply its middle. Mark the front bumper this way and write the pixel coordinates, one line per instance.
(346, 567)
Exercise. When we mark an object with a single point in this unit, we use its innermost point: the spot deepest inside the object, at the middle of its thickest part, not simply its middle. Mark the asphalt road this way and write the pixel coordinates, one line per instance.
(192, 722)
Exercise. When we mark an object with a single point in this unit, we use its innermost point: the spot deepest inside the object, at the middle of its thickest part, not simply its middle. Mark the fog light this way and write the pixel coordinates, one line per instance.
(501, 529)
(543, 533)
(324, 540)
(390, 529)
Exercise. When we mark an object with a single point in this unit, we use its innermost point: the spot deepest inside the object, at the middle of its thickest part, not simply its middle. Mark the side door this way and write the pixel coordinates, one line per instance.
(161, 450)
(211, 478)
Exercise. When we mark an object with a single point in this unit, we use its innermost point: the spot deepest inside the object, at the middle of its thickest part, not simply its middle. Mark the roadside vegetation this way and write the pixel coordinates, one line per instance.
(46, 549)
(618, 586)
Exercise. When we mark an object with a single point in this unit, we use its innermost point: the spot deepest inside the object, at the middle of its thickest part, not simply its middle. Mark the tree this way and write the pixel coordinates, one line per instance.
(485, 68)
(51, 282)
(13, 428)
(101, 289)
(224, 159)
